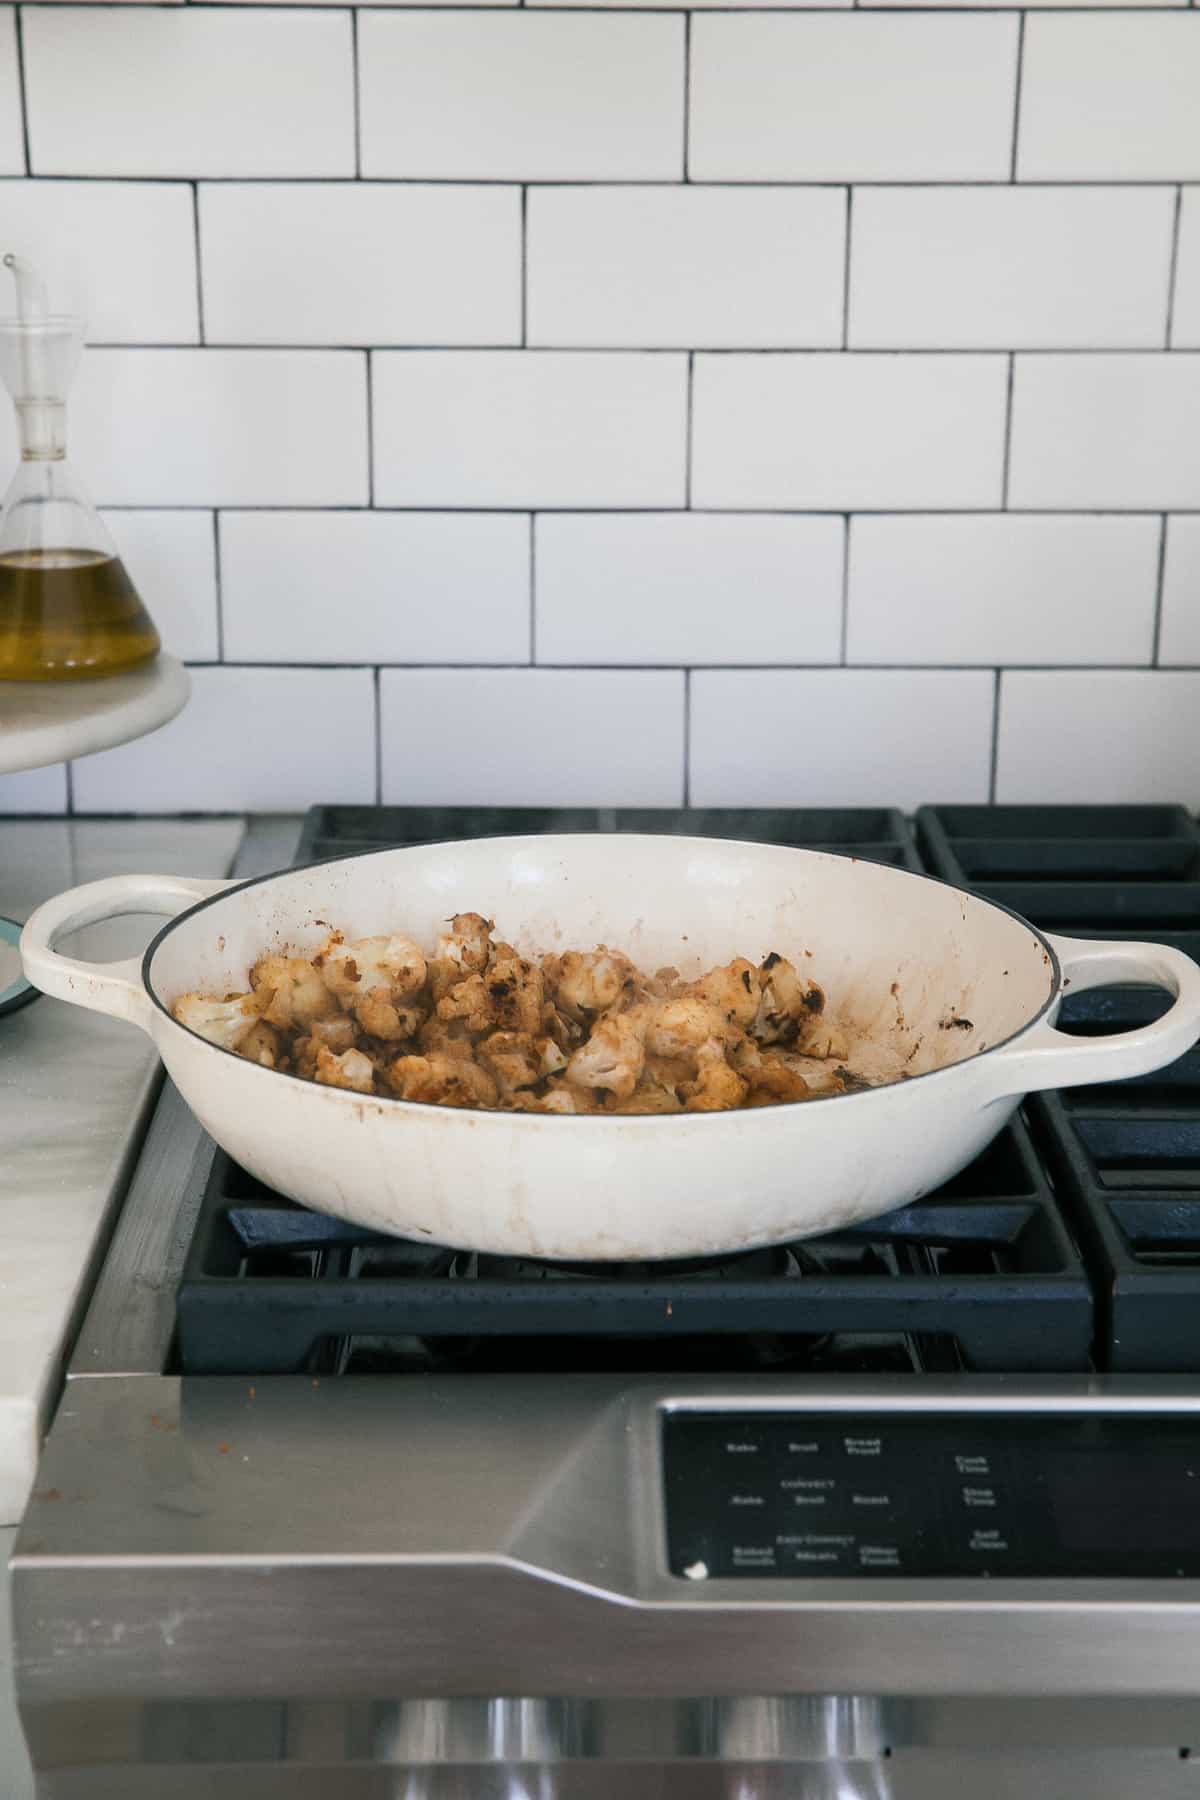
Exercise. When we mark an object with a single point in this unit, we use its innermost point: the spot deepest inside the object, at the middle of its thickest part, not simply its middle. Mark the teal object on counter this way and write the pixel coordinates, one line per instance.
(14, 989)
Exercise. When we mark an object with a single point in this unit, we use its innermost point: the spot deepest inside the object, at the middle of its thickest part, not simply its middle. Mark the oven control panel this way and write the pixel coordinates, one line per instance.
(896, 1494)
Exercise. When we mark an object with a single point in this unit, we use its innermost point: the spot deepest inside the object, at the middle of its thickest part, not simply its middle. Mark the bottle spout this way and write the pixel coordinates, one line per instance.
(33, 302)
(39, 351)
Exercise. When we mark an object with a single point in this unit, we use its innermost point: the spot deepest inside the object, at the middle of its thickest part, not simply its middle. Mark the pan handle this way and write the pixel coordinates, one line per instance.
(111, 987)
(1048, 1058)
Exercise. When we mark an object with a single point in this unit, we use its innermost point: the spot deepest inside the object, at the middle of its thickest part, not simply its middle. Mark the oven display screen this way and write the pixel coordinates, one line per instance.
(942, 1494)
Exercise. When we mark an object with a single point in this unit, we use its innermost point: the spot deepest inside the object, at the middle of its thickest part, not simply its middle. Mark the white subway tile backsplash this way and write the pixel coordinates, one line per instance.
(12, 142)
(844, 432)
(1180, 641)
(995, 588)
(375, 587)
(863, 96)
(1105, 431)
(688, 588)
(263, 740)
(1110, 96)
(536, 737)
(34, 791)
(1185, 323)
(172, 562)
(327, 263)
(218, 427)
(1111, 735)
(1010, 267)
(684, 266)
(840, 737)
(529, 428)
(189, 90)
(521, 95)
(123, 253)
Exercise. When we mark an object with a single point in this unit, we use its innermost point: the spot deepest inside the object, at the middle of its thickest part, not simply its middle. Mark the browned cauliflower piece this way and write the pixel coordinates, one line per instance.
(469, 1001)
(613, 1057)
(734, 989)
(292, 990)
(442, 1081)
(680, 1027)
(512, 1060)
(350, 1070)
(261, 1045)
(382, 1017)
(223, 1022)
(586, 983)
(389, 961)
(516, 990)
(717, 1087)
(787, 1004)
(336, 1033)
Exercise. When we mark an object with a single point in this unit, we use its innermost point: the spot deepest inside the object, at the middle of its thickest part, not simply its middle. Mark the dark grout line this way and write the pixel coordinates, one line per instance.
(370, 390)
(1159, 590)
(688, 431)
(995, 752)
(866, 352)
(532, 589)
(1173, 268)
(357, 95)
(623, 510)
(1008, 423)
(199, 260)
(217, 573)
(69, 771)
(846, 271)
(524, 267)
(845, 633)
(1016, 125)
(687, 95)
(23, 88)
(862, 666)
(377, 678)
(687, 737)
(335, 178)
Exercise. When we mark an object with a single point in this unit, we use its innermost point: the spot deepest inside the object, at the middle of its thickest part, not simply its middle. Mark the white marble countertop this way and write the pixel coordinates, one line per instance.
(74, 1090)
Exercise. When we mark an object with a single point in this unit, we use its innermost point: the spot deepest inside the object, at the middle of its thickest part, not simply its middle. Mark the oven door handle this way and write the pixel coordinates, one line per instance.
(109, 987)
(1045, 1057)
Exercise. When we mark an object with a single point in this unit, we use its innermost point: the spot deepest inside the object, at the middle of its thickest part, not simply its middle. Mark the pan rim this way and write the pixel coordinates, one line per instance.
(643, 1121)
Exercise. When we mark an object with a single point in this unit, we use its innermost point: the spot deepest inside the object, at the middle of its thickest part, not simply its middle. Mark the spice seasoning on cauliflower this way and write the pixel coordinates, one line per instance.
(476, 1024)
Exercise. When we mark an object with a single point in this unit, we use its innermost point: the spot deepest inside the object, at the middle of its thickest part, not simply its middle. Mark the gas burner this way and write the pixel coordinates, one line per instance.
(768, 1263)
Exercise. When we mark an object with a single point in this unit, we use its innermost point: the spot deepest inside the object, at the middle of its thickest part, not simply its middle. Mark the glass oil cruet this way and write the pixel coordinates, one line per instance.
(68, 610)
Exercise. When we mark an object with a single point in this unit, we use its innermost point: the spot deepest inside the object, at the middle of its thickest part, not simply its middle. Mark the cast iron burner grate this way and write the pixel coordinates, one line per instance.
(878, 834)
(1126, 1157)
(982, 1275)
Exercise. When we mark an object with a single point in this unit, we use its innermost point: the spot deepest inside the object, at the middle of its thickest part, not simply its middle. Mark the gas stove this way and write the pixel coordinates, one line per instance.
(328, 1513)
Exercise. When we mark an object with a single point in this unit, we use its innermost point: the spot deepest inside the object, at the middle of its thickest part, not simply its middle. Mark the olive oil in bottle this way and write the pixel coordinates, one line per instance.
(66, 614)
(68, 610)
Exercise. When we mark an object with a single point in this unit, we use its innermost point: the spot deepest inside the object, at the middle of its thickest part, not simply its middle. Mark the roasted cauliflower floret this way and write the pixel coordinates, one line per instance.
(586, 983)
(293, 992)
(717, 1087)
(392, 962)
(469, 1001)
(224, 1022)
(382, 1017)
(511, 1059)
(734, 989)
(349, 1070)
(682, 1026)
(517, 992)
(787, 1003)
(261, 1044)
(337, 1033)
(442, 1081)
(613, 1057)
